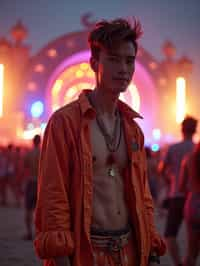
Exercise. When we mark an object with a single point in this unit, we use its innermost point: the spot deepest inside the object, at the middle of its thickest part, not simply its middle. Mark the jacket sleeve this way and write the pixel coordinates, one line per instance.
(52, 216)
(157, 243)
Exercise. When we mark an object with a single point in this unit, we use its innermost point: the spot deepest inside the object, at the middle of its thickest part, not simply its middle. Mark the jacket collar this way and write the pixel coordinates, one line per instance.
(88, 111)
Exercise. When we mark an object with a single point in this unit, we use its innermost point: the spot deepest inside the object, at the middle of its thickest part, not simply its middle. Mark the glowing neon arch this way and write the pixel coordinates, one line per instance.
(74, 74)
(47, 78)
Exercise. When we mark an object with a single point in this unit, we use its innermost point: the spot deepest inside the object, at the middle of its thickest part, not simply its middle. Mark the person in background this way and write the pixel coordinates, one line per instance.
(3, 171)
(9, 180)
(31, 164)
(170, 169)
(189, 184)
(152, 165)
(19, 174)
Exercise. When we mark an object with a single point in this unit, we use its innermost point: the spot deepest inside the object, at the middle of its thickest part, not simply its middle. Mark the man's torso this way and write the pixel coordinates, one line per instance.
(109, 208)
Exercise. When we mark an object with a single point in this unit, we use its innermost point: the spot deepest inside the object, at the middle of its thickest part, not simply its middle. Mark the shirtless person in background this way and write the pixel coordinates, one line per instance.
(94, 206)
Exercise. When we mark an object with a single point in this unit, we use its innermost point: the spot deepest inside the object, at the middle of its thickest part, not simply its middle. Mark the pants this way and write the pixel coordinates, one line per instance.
(192, 212)
(127, 256)
(174, 217)
(31, 195)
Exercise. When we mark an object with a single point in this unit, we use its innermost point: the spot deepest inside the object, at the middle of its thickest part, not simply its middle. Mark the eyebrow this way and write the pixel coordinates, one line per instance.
(117, 55)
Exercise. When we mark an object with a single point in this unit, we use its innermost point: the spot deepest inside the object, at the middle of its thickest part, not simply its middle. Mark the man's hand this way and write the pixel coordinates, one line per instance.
(154, 260)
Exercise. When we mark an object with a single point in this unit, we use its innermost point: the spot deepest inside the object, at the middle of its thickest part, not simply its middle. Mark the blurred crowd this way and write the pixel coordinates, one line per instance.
(18, 177)
(13, 174)
(174, 180)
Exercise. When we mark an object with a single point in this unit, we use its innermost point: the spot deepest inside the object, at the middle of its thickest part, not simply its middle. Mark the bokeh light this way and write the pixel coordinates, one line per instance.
(37, 109)
(1, 88)
(156, 133)
(155, 147)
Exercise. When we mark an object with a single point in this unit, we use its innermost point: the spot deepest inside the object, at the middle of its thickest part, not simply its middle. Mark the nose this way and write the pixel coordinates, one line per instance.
(123, 68)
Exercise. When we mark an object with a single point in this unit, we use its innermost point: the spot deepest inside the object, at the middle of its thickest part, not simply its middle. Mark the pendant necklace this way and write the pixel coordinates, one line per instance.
(112, 140)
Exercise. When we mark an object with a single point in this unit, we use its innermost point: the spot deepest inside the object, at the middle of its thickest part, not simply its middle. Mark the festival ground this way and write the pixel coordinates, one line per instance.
(16, 252)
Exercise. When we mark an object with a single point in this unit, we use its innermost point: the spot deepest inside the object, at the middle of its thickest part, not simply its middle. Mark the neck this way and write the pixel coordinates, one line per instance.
(105, 103)
(185, 137)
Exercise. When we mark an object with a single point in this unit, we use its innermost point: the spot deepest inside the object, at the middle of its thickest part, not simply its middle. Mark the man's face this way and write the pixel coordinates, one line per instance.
(115, 67)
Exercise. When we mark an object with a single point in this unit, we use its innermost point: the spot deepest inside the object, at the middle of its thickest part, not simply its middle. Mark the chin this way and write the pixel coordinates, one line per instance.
(121, 89)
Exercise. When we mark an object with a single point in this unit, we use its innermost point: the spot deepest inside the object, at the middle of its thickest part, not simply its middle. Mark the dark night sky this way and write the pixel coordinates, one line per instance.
(176, 20)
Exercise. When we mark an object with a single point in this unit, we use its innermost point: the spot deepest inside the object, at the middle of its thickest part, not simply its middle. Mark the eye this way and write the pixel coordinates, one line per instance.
(130, 61)
(114, 59)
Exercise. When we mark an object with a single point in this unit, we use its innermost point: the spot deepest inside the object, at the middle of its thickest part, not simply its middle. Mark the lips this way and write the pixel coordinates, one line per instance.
(121, 80)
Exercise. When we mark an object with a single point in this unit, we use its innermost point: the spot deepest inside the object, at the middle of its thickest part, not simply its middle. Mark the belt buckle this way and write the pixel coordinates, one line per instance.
(115, 244)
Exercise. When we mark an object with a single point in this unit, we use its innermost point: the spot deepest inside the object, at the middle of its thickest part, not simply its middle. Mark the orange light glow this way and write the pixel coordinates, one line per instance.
(79, 73)
(57, 86)
(32, 86)
(52, 53)
(180, 99)
(135, 97)
(55, 107)
(79, 77)
(1, 88)
(90, 74)
(29, 134)
(39, 68)
(71, 93)
(84, 66)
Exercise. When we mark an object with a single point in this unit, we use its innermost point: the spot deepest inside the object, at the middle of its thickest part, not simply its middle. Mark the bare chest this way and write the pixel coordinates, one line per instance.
(109, 207)
(101, 151)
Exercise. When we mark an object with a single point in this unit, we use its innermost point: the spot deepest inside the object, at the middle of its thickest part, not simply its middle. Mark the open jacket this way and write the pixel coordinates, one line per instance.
(65, 189)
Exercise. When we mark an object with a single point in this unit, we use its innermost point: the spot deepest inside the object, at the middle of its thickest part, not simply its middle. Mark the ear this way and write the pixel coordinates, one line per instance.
(94, 64)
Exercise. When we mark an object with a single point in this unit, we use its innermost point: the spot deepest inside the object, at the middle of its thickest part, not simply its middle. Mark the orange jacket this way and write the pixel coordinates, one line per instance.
(64, 205)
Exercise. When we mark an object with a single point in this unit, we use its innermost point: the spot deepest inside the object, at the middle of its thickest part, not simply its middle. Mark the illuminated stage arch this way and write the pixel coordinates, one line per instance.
(74, 74)
(60, 71)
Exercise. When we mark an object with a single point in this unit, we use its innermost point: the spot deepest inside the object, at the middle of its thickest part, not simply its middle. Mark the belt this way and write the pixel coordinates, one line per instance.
(113, 241)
